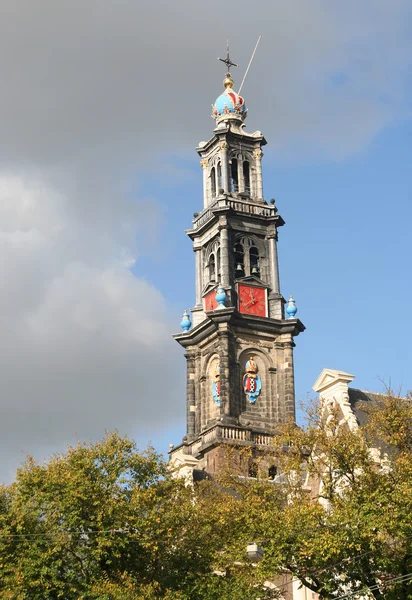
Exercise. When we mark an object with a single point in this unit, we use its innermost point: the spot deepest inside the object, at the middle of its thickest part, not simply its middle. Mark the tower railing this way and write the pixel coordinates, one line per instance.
(237, 204)
(220, 432)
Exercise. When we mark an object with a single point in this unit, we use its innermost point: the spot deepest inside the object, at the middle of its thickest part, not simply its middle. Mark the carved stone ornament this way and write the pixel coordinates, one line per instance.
(203, 163)
(247, 342)
(258, 153)
(252, 383)
(224, 146)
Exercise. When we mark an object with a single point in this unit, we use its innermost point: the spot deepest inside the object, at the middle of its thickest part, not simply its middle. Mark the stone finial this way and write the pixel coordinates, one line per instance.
(291, 309)
(186, 322)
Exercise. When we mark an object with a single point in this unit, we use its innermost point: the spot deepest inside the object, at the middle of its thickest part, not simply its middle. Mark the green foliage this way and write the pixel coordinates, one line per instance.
(341, 520)
(105, 522)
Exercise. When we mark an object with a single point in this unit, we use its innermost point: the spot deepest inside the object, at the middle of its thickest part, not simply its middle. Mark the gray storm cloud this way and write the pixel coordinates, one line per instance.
(95, 92)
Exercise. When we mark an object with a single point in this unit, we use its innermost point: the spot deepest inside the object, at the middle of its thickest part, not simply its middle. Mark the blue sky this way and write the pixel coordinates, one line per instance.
(103, 107)
(344, 253)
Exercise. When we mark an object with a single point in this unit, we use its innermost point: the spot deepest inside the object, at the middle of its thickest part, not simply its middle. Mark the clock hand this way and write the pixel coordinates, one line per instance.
(246, 304)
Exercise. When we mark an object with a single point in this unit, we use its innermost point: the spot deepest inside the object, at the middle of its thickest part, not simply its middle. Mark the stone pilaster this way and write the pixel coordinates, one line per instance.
(190, 393)
(289, 385)
(200, 403)
(224, 358)
(225, 166)
(274, 263)
(258, 155)
(204, 163)
(240, 178)
(224, 253)
(198, 275)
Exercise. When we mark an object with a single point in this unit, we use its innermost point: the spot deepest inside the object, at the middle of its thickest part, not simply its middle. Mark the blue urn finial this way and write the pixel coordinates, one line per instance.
(221, 296)
(291, 309)
(186, 323)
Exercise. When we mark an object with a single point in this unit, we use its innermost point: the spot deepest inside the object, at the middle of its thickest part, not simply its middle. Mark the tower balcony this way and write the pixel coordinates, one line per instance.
(220, 433)
(239, 204)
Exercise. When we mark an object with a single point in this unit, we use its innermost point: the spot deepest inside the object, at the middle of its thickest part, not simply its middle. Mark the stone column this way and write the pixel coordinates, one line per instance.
(198, 393)
(240, 178)
(224, 372)
(258, 154)
(274, 263)
(204, 163)
(225, 166)
(289, 386)
(217, 182)
(190, 394)
(198, 275)
(224, 253)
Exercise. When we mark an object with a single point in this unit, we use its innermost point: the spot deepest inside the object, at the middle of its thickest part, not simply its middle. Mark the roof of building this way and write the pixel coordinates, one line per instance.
(360, 400)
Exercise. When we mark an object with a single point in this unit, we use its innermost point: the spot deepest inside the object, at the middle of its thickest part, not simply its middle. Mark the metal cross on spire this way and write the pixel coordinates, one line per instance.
(227, 60)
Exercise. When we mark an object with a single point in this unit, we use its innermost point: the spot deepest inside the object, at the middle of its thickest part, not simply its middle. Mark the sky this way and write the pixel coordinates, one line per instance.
(102, 106)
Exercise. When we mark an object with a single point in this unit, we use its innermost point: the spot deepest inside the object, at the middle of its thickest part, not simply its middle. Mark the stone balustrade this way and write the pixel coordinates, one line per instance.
(243, 206)
(228, 433)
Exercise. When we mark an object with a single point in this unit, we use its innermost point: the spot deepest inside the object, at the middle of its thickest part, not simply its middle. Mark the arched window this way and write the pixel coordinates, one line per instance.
(272, 472)
(234, 176)
(212, 267)
(254, 261)
(246, 176)
(219, 177)
(239, 261)
(213, 181)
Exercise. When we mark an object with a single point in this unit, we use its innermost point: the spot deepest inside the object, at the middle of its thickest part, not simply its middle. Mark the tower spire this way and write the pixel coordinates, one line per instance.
(229, 105)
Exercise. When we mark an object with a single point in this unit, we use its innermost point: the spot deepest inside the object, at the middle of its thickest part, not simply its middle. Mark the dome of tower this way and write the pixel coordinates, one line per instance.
(229, 104)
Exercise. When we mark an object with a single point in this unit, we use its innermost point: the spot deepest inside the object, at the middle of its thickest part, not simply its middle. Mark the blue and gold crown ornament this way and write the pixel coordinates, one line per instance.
(229, 105)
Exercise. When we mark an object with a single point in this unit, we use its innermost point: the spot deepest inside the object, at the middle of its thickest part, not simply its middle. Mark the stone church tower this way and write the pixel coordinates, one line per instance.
(239, 349)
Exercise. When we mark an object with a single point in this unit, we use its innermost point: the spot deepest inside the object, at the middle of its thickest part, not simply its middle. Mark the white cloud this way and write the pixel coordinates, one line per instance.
(111, 83)
(82, 344)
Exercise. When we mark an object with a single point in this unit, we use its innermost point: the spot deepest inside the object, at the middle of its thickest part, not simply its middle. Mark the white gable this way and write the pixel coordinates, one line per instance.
(331, 377)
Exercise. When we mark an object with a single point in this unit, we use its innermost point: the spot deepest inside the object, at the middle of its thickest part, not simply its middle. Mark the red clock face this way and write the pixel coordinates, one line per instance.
(252, 300)
(210, 300)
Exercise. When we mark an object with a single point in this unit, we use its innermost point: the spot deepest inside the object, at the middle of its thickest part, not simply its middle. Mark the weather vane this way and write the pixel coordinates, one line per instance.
(227, 60)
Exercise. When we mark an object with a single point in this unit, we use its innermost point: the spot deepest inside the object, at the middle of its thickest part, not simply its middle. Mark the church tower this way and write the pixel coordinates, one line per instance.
(239, 342)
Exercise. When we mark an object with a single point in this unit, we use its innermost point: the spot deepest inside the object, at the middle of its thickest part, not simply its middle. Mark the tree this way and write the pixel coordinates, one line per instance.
(340, 521)
(104, 521)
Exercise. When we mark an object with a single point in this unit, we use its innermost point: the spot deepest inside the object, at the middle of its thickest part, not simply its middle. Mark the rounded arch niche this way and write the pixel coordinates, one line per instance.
(212, 391)
(265, 372)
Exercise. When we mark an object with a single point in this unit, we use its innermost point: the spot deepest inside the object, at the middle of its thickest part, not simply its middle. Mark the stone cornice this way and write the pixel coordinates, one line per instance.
(233, 318)
(224, 132)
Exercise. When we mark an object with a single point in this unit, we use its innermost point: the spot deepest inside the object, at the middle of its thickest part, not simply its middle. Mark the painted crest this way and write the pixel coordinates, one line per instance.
(216, 385)
(252, 383)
